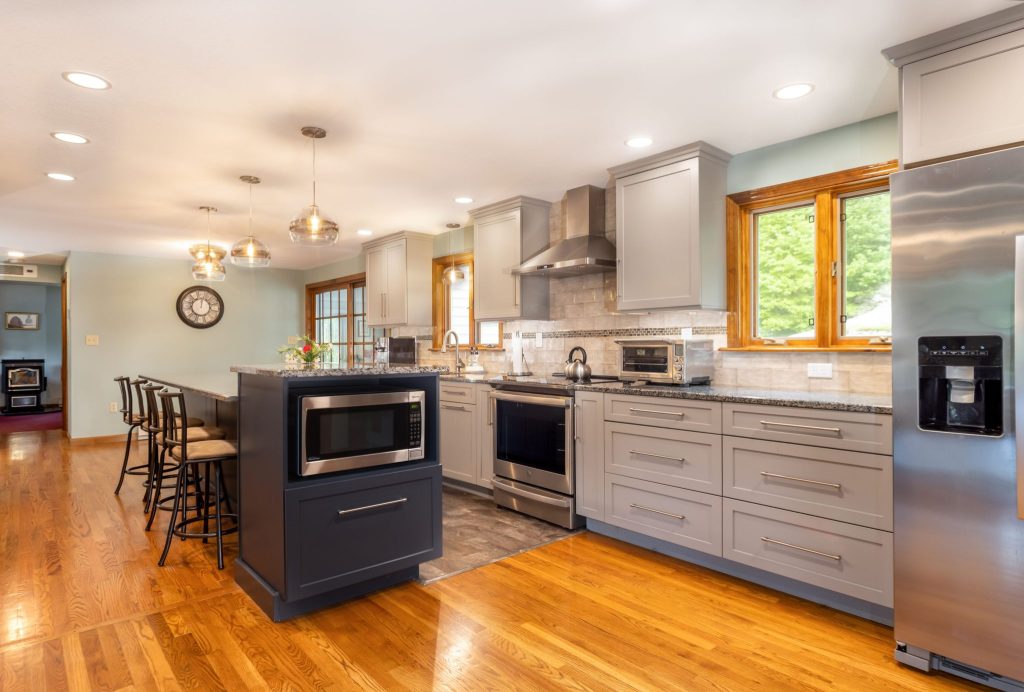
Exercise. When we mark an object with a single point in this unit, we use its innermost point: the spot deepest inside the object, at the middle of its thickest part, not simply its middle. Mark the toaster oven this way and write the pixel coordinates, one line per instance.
(667, 361)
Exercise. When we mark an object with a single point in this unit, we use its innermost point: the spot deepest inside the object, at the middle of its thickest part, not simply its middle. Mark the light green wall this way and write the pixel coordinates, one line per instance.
(44, 342)
(129, 302)
(335, 270)
(859, 144)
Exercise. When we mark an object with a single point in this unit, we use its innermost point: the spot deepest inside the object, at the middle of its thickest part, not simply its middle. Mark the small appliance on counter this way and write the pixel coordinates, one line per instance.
(575, 369)
(396, 350)
(473, 366)
(667, 361)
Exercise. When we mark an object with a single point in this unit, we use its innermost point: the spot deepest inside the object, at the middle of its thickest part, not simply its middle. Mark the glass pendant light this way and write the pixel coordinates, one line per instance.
(452, 275)
(310, 227)
(249, 252)
(208, 266)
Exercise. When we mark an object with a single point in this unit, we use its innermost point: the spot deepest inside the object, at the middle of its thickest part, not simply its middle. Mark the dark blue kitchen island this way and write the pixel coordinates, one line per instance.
(330, 508)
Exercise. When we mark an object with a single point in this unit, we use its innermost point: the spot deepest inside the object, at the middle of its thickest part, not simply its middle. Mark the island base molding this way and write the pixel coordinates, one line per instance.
(277, 609)
(816, 594)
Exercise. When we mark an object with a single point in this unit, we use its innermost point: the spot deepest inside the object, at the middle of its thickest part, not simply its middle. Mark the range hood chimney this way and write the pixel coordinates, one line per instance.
(584, 250)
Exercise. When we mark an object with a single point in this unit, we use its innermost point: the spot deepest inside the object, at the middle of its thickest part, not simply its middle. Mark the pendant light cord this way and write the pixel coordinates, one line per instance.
(250, 210)
(314, 171)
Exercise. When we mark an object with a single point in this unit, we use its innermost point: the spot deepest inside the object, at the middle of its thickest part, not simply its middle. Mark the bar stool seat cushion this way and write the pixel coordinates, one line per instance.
(198, 435)
(207, 449)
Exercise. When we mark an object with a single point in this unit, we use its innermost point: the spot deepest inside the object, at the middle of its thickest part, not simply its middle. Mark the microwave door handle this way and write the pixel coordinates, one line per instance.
(1018, 364)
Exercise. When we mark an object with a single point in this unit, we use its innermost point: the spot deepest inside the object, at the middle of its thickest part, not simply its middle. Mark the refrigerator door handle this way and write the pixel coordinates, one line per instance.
(1018, 366)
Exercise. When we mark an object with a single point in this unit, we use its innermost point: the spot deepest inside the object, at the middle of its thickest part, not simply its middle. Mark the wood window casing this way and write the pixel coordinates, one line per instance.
(826, 193)
(353, 339)
(439, 311)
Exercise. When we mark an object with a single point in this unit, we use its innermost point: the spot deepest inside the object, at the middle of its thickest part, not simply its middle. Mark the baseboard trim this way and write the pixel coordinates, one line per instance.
(94, 441)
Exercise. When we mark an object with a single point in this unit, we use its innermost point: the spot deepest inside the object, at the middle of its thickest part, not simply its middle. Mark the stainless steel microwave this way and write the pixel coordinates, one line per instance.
(667, 361)
(353, 431)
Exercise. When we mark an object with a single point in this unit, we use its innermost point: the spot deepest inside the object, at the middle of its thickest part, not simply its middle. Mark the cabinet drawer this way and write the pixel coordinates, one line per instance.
(675, 457)
(683, 517)
(858, 432)
(841, 557)
(846, 486)
(457, 392)
(351, 531)
(663, 412)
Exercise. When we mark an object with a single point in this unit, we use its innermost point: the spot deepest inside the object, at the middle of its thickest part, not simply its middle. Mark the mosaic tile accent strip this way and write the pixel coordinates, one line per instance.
(636, 331)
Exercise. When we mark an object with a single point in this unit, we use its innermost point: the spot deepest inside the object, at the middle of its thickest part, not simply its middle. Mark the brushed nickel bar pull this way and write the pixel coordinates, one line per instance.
(515, 290)
(657, 456)
(491, 405)
(837, 486)
(454, 392)
(834, 431)
(680, 517)
(660, 413)
(454, 408)
(382, 313)
(830, 556)
(379, 505)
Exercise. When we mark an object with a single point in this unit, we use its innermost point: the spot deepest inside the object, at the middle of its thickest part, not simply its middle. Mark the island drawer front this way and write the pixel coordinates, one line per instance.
(683, 517)
(664, 412)
(854, 431)
(836, 484)
(674, 457)
(457, 392)
(345, 533)
(834, 555)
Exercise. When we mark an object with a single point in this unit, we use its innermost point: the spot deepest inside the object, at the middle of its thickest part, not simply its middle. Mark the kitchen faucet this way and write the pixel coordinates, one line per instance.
(444, 349)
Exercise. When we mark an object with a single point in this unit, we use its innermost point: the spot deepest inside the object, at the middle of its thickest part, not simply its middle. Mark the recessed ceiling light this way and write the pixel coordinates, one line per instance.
(364, 231)
(464, 200)
(793, 91)
(60, 176)
(84, 79)
(16, 254)
(639, 142)
(69, 137)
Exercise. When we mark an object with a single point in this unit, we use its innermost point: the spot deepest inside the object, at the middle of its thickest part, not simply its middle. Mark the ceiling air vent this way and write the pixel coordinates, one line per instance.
(21, 271)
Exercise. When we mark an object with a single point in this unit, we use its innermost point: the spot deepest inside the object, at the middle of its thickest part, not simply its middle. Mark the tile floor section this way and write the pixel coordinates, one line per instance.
(476, 533)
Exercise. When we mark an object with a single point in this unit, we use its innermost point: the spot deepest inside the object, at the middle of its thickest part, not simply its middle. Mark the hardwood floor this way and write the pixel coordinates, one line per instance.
(84, 606)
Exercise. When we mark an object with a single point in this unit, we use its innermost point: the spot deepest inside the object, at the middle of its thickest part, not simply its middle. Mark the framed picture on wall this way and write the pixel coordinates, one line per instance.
(21, 320)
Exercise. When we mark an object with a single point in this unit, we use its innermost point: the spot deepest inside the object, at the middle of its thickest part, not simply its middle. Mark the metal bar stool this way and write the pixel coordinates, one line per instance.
(152, 425)
(208, 454)
(133, 420)
(167, 470)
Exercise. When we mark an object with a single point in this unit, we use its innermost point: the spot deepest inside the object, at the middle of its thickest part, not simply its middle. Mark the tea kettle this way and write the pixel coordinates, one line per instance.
(576, 369)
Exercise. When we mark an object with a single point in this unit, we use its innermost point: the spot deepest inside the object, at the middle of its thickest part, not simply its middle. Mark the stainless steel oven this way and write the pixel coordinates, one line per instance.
(358, 430)
(533, 450)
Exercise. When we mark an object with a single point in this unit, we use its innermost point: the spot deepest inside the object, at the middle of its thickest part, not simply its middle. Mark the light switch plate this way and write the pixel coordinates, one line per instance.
(822, 370)
(92, 339)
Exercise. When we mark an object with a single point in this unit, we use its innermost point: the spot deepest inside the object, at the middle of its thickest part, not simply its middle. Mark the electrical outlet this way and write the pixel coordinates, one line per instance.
(538, 340)
(822, 370)
(92, 339)
(113, 407)
(685, 332)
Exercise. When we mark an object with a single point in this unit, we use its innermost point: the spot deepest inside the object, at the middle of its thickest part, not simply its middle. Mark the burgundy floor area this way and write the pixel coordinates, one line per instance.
(31, 421)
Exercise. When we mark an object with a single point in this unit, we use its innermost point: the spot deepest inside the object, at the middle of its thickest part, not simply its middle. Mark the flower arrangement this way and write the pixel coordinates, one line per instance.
(305, 350)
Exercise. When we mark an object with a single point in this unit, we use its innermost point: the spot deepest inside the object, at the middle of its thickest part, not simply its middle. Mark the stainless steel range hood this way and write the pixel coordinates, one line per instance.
(584, 250)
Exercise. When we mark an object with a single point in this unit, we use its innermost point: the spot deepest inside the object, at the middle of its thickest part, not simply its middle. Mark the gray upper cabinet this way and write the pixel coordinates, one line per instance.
(958, 88)
(398, 280)
(670, 229)
(505, 234)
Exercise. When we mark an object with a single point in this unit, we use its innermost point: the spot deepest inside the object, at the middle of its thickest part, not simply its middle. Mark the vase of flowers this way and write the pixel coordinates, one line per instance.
(305, 351)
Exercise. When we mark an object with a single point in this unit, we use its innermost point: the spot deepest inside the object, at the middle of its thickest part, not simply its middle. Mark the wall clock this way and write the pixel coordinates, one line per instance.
(200, 307)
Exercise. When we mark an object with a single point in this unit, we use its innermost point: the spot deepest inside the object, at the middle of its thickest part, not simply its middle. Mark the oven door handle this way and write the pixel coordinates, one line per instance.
(539, 399)
(526, 494)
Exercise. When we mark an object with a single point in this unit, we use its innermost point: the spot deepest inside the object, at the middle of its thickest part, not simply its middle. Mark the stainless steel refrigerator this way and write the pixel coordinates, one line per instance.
(958, 299)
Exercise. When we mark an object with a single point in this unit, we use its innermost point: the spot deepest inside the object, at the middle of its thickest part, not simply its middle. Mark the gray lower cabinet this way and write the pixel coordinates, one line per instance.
(683, 517)
(851, 430)
(459, 457)
(848, 559)
(674, 457)
(352, 530)
(590, 438)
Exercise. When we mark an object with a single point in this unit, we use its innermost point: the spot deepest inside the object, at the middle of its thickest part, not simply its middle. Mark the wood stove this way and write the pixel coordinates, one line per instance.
(23, 384)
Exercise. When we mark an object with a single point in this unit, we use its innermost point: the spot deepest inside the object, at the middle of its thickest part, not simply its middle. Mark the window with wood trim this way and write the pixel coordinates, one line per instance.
(810, 263)
(336, 314)
(453, 306)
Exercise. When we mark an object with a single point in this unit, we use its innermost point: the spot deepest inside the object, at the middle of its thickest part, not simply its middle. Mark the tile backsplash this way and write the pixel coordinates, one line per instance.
(583, 313)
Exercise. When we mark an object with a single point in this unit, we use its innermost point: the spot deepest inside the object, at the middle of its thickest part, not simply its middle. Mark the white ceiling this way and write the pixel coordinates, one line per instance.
(422, 101)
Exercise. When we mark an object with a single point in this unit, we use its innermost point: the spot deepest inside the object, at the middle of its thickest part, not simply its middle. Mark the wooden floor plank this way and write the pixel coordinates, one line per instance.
(83, 606)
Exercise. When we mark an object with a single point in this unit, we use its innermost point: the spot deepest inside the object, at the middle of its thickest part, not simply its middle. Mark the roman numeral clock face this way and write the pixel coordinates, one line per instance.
(200, 307)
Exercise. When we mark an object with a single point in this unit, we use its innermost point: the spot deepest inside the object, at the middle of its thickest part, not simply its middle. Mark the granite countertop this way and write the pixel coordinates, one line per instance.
(831, 401)
(220, 385)
(294, 370)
